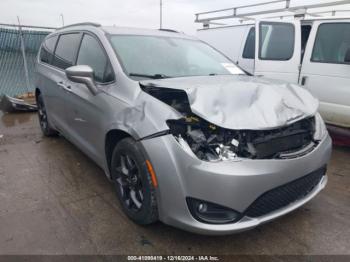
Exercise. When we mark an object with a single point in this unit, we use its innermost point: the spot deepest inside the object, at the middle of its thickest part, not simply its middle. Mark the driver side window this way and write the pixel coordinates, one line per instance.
(92, 54)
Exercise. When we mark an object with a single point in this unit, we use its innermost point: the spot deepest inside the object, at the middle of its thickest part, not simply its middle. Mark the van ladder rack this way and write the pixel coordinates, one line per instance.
(332, 12)
(207, 17)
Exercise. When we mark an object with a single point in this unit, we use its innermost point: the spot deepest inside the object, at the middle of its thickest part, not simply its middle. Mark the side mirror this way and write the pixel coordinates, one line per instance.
(347, 56)
(82, 74)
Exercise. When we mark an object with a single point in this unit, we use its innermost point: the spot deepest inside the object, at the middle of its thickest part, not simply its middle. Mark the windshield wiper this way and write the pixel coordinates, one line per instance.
(155, 76)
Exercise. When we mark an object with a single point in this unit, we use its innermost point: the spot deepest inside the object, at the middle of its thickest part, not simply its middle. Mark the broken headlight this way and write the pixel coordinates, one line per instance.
(195, 135)
(204, 140)
(320, 128)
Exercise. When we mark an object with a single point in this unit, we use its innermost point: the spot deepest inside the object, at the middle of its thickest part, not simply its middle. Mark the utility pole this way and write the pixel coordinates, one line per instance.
(161, 15)
(61, 15)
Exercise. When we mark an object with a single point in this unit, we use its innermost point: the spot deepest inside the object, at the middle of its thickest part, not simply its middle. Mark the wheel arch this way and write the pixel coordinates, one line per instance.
(112, 138)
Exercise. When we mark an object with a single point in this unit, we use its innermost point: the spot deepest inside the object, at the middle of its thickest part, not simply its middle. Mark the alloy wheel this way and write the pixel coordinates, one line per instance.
(129, 183)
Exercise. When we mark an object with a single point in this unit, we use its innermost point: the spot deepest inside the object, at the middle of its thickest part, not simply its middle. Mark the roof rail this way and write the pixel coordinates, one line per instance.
(168, 30)
(236, 12)
(78, 24)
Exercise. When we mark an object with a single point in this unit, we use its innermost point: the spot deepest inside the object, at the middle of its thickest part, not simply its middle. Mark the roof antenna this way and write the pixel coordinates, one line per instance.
(160, 14)
(62, 18)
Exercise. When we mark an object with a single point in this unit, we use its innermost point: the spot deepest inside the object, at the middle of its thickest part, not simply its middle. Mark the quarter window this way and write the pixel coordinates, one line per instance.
(66, 50)
(332, 44)
(276, 41)
(92, 54)
(47, 49)
(249, 47)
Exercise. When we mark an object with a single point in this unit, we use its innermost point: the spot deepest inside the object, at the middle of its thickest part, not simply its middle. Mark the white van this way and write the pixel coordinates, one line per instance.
(312, 52)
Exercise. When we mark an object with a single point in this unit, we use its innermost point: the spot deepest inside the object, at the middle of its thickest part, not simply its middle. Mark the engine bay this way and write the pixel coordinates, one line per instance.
(209, 142)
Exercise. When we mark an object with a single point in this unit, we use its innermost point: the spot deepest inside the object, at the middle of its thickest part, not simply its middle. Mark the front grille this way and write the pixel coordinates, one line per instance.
(284, 195)
(275, 147)
(271, 143)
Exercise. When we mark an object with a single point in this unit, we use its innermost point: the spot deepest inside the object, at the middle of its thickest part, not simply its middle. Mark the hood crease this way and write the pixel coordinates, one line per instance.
(242, 102)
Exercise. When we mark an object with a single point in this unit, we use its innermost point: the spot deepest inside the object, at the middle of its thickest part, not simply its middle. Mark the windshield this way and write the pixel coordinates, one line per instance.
(161, 57)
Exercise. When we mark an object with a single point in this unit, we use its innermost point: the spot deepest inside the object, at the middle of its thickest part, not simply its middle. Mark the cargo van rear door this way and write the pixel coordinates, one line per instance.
(278, 50)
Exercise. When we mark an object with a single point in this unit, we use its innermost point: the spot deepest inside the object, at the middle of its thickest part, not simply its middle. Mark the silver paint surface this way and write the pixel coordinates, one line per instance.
(243, 102)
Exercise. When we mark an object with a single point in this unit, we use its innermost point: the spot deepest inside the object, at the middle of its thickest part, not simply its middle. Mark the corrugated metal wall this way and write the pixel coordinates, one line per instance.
(12, 73)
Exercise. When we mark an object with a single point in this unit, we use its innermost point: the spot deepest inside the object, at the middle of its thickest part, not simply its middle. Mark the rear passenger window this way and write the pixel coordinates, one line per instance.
(249, 47)
(92, 54)
(47, 49)
(276, 41)
(332, 44)
(66, 50)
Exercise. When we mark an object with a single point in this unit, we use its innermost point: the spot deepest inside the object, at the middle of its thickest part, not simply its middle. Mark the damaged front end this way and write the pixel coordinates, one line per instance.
(210, 142)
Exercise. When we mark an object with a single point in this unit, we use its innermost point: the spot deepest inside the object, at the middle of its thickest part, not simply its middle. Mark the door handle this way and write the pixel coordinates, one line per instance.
(65, 87)
(303, 80)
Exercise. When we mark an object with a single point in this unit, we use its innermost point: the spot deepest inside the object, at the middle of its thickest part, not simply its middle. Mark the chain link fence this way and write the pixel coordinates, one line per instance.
(18, 51)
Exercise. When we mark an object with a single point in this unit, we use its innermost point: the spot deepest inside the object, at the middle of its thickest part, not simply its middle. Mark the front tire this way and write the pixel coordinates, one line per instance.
(133, 183)
(43, 119)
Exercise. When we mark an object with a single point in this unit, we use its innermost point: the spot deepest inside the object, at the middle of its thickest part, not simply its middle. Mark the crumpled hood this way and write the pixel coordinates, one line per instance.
(243, 102)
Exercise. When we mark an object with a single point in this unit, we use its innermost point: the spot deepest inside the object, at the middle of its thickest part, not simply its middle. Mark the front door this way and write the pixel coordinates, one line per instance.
(247, 52)
(87, 111)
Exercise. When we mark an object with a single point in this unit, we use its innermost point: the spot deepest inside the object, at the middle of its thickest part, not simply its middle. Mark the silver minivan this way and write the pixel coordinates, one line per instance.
(186, 136)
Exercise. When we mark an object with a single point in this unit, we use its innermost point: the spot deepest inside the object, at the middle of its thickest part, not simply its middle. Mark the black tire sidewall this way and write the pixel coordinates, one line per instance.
(148, 212)
(48, 131)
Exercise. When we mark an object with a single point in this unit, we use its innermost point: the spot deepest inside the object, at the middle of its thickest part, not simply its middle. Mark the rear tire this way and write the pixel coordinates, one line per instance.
(133, 183)
(43, 119)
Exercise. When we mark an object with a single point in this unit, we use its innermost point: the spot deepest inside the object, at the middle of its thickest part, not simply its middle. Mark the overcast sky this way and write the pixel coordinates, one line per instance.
(177, 14)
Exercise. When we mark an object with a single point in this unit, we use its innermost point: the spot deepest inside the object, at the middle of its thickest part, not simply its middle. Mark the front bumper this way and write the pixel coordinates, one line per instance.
(233, 184)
